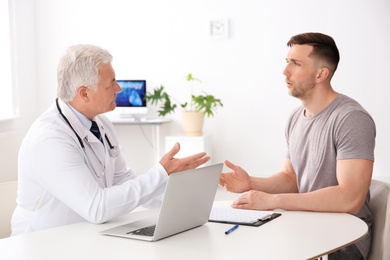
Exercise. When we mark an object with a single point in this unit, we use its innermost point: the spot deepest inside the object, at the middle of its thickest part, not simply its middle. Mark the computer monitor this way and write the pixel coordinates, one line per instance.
(131, 101)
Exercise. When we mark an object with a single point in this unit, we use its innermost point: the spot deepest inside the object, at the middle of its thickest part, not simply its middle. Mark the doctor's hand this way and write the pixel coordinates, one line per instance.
(237, 180)
(172, 165)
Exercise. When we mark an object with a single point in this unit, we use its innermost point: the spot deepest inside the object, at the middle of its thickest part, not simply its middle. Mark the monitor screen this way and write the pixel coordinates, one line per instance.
(131, 100)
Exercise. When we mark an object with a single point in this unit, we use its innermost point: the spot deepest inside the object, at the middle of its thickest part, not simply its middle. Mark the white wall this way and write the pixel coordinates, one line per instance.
(162, 41)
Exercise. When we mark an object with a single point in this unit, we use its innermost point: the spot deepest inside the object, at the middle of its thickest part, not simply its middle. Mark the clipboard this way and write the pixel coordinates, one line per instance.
(252, 218)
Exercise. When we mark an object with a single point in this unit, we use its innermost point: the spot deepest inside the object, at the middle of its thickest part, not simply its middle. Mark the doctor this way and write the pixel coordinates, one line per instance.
(66, 173)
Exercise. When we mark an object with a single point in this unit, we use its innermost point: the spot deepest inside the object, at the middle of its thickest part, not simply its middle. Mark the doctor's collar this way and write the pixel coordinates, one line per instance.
(83, 119)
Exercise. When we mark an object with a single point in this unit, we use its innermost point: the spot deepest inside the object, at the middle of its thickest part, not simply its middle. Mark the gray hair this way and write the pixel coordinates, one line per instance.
(80, 67)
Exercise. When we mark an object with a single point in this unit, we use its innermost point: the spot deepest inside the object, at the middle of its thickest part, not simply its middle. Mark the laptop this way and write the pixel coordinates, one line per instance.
(187, 203)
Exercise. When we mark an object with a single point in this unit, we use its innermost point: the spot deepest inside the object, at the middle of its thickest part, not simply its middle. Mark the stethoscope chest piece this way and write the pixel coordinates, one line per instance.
(113, 152)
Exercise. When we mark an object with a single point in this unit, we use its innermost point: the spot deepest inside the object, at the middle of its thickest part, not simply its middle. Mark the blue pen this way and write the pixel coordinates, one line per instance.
(227, 232)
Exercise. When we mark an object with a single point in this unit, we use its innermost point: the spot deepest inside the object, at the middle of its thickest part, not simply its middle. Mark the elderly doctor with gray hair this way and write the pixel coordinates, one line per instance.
(67, 174)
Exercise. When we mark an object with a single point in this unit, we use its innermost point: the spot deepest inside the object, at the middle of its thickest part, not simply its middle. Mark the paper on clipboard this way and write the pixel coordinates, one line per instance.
(241, 216)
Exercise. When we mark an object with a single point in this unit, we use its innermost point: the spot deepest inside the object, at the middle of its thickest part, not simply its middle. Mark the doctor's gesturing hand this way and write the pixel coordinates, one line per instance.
(172, 165)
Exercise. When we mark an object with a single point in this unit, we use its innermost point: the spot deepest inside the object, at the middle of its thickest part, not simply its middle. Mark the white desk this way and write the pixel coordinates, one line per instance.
(294, 235)
(156, 122)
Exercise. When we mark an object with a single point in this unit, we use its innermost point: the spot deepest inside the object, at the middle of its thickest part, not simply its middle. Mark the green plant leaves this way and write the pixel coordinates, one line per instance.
(205, 103)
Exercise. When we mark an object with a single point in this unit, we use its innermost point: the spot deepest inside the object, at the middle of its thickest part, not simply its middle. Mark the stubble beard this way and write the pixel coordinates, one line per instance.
(303, 89)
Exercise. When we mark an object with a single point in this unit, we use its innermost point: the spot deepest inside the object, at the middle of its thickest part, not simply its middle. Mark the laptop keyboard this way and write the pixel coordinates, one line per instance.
(146, 231)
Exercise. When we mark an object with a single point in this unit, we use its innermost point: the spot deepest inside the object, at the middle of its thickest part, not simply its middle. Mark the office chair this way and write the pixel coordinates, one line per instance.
(380, 208)
(8, 192)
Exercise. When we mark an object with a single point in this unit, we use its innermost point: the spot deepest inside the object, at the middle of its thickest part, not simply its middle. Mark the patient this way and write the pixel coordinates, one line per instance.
(330, 146)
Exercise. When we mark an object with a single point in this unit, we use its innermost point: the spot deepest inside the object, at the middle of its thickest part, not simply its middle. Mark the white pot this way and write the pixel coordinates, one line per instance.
(192, 123)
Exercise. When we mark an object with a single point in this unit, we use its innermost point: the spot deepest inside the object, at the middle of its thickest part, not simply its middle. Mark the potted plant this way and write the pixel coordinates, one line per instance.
(193, 110)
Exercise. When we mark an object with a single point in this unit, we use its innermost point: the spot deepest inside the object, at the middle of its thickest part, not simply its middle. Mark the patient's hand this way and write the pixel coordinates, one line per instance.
(237, 180)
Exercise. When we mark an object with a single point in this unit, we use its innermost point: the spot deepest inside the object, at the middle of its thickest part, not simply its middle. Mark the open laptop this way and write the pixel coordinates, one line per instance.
(187, 203)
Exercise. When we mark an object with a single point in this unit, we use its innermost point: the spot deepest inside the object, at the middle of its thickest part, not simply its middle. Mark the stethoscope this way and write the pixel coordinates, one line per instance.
(113, 151)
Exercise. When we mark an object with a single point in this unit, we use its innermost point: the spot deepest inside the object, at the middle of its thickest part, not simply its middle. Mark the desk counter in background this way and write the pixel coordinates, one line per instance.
(155, 123)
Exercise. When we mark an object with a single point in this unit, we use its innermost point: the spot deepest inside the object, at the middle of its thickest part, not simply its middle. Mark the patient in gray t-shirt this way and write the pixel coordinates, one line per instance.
(330, 141)
(343, 130)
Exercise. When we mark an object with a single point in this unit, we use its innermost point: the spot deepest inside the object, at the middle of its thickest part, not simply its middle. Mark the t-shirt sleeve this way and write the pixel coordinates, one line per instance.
(355, 136)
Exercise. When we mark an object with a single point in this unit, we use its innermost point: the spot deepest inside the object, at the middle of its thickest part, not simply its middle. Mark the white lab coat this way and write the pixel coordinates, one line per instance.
(57, 180)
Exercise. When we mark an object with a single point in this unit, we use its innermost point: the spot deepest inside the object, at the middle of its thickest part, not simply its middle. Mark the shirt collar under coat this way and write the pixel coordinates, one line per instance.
(80, 123)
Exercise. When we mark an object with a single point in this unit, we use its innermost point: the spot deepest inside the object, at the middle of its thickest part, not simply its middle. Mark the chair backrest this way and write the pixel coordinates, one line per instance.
(8, 192)
(379, 206)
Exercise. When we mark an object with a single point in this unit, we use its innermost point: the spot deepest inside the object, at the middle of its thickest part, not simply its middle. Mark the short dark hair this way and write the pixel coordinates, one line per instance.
(324, 47)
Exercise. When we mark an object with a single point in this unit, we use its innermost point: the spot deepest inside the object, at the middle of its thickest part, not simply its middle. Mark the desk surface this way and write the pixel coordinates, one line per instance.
(294, 235)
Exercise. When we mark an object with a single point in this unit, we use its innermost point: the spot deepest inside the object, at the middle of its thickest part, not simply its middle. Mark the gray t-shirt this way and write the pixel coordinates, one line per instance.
(343, 130)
